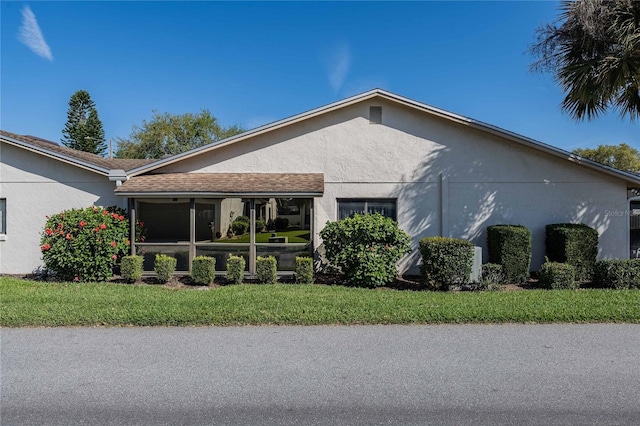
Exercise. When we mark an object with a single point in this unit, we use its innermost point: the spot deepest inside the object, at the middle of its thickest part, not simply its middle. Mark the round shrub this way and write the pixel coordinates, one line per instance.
(85, 244)
(131, 268)
(366, 248)
(445, 261)
(556, 275)
(235, 269)
(203, 269)
(260, 225)
(164, 267)
(492, 275)
(240, 226)
(304, 270)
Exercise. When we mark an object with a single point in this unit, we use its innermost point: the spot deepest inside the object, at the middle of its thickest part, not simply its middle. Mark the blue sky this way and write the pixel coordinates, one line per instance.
(253, 63)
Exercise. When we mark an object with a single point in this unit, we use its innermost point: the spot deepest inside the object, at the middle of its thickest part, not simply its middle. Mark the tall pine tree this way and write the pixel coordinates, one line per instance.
(83, 130)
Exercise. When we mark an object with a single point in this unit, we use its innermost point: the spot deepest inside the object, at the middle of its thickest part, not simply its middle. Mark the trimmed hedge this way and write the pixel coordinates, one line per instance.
(164, 266)
(620, 274)
(575, 244)
(492, 274)
(510, 246)
(266, 268)
(445, 261)
(235, 269)
(131, 268)
(203, 269)
(304, 270)
(555, 275)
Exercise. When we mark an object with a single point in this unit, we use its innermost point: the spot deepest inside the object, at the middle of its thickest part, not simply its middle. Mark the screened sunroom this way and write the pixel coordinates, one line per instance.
(185, 215)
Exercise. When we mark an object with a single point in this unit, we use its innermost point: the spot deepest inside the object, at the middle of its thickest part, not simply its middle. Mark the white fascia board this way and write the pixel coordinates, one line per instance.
(56, 156)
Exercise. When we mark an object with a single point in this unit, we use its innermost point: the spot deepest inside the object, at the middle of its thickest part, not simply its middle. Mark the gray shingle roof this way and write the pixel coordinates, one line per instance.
(85, 157)
(238, 183)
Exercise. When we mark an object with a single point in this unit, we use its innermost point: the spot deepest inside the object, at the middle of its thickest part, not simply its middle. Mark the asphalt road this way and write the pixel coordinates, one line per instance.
(362, 375)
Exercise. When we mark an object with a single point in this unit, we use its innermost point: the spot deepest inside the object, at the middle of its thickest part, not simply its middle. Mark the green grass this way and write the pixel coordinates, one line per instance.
(30, 303)
(297, 236)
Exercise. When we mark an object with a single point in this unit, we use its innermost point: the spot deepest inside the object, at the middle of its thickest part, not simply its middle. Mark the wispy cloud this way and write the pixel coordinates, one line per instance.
(338, 65)
(31, 35)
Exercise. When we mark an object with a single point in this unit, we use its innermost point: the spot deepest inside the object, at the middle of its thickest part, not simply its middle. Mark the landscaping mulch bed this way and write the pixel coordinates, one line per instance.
(408, 282)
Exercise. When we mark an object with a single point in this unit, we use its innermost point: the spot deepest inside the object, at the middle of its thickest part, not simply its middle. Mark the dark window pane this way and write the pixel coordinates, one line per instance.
(148, 252)
(285, 254)
(347, 208)
(221, 252)
(386, 207)
(165, 220)
(206, 229)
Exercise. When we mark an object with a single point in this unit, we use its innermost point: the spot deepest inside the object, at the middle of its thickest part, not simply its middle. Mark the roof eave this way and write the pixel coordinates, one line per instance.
(217, 194)
(479, 125)
(57, 156)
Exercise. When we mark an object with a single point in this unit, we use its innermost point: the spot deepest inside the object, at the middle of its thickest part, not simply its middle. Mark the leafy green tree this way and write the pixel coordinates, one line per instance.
(170, 134)
(83, 130)
(621, 157)
(593, 51)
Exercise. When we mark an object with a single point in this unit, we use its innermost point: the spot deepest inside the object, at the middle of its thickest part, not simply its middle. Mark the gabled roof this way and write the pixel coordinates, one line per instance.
(631, 178)
(81, 159)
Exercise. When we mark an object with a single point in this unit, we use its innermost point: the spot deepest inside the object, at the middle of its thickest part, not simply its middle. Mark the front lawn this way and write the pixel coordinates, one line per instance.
(295, 236)
(31, 303)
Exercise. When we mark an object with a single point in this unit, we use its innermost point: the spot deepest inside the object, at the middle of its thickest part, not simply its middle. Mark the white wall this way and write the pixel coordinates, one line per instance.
(36, 186)
(487, 179)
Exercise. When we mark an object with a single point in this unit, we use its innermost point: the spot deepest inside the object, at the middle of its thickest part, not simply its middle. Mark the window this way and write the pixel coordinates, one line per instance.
(3, 216)
(384, 206)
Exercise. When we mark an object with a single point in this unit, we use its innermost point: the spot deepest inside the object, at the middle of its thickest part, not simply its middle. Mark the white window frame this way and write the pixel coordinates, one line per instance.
(366, 201)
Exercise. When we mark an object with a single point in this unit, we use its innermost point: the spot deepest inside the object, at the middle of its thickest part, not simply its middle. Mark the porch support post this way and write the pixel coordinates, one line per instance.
(252, 238)
(132, 225)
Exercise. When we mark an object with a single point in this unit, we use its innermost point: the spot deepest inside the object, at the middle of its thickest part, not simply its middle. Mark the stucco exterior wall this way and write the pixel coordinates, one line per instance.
(35, 186)
(449, 179)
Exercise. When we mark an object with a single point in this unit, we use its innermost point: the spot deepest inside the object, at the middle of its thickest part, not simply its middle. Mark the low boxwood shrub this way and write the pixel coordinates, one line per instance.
(445, 261)
(164, 267)
(266, 268)
(619, 274)
(260, 225)
(366, 247)
(131, 268)
(510, 246)
(203, 269)
(555, 275)
(235, 269)
(492, 276)
(85, 244)
(304, 270)
(281, 224)
(240, 225)
(575, 244)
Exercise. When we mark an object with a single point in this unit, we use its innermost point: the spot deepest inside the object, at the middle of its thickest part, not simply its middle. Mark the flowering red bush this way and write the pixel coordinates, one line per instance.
(85, 244)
